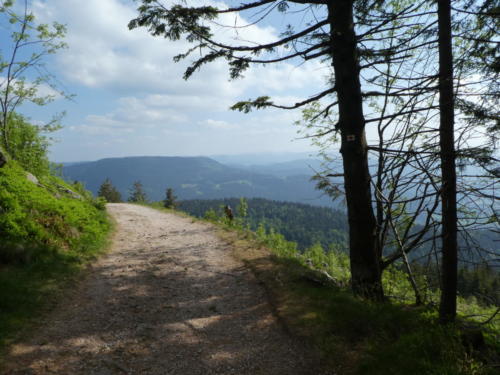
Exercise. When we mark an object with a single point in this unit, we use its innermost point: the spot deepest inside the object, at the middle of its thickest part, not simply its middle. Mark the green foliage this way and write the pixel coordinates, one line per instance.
(425, 349)
(242, 213)
(482, 282)
(335, 262)
(45, 217)
(279, 246)
(479, 283)
(243, 208)
(247, 106)
(109, 192)
(309, 227)
(300, 223)
(99, 203)
(316, 256)
(170, 199)
(211, 215)
(137, 193)
(47, 234)
(28, 145)
(23, 72)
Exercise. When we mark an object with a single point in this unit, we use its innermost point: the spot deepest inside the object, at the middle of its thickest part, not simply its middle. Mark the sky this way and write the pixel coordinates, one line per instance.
(130, 97)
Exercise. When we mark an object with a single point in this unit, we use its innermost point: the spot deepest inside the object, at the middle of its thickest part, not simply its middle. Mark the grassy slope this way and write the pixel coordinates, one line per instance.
(47, 237)
(356, 336)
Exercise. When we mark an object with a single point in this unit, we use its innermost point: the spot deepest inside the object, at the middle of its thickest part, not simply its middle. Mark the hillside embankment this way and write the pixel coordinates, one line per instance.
(168, 299)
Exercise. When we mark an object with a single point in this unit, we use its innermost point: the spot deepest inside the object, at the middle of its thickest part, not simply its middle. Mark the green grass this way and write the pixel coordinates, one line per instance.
(48, 237)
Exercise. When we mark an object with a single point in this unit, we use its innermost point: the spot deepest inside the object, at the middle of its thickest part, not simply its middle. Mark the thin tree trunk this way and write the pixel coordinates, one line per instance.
(411, 278)
(448, 306)
(365, 264)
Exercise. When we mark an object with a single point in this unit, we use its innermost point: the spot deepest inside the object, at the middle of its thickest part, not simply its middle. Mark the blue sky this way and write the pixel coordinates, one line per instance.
(130, 98)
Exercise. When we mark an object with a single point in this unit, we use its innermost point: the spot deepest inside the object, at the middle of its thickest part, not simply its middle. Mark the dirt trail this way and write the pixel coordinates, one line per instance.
(168, 299)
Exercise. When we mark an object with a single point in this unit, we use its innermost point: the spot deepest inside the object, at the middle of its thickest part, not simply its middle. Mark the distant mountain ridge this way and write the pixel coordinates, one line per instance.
(194, 178)
(265, 158)
(306, 167)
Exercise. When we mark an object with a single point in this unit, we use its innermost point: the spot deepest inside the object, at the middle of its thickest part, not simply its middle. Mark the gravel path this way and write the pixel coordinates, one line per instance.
(168, 299)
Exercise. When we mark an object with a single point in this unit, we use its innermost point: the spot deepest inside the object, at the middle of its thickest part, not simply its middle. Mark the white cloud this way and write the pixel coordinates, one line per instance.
(93, 130)
(104, 53)
(285, 77)
(189, 102)
(217, 124)
(132, 113)
(147, 103)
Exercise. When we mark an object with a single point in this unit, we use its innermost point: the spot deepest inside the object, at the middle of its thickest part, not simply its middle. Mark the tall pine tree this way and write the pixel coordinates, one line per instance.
(137, 194)
(170, 200)
(109, 192)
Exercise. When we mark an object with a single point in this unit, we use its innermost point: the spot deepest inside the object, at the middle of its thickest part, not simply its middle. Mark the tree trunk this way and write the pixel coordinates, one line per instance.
(365, 262)
(3, 141)
(448, 306)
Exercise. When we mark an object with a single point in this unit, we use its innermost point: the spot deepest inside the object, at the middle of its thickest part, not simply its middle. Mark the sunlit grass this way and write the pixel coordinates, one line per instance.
(48, 238)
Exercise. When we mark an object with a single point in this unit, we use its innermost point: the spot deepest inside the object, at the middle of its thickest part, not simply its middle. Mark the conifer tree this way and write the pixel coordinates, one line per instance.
(137, 194)
(448, 306)
(170, 199)
(108, 191)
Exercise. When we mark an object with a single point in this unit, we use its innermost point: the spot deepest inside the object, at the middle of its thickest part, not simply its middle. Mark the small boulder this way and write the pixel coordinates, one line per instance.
(32, 178)
(69, 192)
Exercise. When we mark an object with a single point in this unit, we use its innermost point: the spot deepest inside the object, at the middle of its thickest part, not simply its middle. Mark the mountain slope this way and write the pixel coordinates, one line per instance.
(298, 222)
(193, 178)
(305, 167)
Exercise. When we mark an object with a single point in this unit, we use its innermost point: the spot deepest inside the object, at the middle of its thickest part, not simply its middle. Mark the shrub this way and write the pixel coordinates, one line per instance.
(48, 216)
(27, 144)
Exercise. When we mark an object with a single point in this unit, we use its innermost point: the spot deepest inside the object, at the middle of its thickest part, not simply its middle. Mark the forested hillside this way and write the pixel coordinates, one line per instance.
(193, 178)
(306, 224)
(300, 223)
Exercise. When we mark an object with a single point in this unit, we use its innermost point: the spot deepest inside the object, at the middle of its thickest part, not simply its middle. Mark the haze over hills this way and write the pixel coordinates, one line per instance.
(306, 167)
(261, 159)
(196, 178)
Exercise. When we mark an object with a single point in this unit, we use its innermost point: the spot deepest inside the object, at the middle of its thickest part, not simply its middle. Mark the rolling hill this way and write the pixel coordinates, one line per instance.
(305, 167)
(194, 178)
